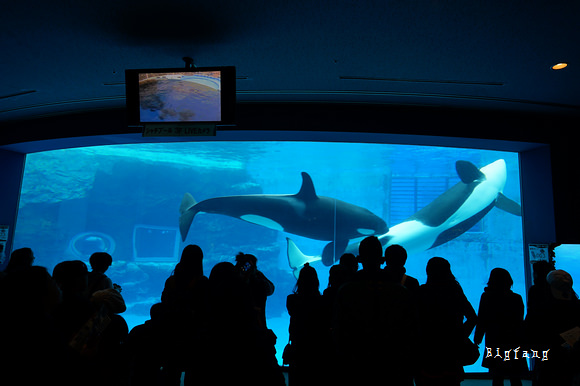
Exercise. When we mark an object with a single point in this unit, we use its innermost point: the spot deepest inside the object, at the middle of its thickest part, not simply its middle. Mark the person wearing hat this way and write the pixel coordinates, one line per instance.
(560, 315)
(560, 283)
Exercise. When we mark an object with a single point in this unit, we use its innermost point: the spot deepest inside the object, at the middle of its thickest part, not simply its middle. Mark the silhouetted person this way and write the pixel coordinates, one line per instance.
(500, 318)
(91, 328)
(145, 346)
(539, 293)
(242, 349)
(442, 307)
(370, 255)
(374, 328)
(395, 259)
(258, 285)
(539, 296)
(20, 258)
(559, 314)
(350, 264)
(231, 327)
(338, 275)
(309, 331)
(31, 350)
(98, 280)
(185, 304)
(184, 288)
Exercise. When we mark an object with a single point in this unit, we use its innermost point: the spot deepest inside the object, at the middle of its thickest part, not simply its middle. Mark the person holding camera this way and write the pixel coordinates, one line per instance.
(261, 349)
(258, 285)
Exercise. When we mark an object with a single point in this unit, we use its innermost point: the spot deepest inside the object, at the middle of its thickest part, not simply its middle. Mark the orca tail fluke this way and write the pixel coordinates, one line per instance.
(297, 259)
(508, 205)
(187, 213)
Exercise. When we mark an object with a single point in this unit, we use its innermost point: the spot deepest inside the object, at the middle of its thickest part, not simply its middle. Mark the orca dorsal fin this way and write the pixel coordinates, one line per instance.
(307, 191)
(468, 172)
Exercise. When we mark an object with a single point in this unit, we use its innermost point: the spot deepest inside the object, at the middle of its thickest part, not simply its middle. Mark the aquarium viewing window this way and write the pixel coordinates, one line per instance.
(181, 96)
(128, 198)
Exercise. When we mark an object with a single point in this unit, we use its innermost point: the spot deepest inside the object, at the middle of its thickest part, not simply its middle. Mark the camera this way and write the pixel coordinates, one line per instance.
(246, 266)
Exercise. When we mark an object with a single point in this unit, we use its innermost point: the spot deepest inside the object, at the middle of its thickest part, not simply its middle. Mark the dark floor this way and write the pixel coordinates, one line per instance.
(487, 382)
(467, 382)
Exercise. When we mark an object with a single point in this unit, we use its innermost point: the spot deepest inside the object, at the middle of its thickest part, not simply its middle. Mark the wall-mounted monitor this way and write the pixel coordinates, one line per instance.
(181, 96)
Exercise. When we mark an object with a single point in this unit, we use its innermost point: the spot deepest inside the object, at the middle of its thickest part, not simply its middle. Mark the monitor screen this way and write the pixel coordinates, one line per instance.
(200, 95)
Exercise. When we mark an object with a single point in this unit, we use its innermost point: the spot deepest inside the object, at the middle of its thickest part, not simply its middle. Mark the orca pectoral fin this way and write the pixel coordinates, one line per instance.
(332, 252)
(187, 214)
(297, 259)
(508, 205)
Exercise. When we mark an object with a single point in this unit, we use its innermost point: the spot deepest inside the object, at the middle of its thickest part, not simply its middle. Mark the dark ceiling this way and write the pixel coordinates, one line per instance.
(68, 56)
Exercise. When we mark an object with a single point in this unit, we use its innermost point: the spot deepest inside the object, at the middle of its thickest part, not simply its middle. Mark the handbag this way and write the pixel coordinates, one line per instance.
(469, 352)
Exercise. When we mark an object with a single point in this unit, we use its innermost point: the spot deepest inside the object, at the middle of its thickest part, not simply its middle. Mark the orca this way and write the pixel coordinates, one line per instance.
(304, 213)
(448, 216)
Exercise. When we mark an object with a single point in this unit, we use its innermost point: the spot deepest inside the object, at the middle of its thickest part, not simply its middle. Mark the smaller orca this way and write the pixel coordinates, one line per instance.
(304, 213)
(445, 218)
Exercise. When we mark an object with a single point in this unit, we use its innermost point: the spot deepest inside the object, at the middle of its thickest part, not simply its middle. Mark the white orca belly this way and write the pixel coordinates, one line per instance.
(413, 235)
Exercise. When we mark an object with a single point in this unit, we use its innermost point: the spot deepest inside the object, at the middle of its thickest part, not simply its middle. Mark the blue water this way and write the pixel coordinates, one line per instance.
(125, 199)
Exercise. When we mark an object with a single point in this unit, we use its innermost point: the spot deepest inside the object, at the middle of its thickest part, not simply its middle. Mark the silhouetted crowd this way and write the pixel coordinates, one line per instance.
(379, 325)
(371, 325)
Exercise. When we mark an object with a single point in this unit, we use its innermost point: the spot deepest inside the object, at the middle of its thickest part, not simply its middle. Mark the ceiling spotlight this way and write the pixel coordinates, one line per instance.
(559, 66)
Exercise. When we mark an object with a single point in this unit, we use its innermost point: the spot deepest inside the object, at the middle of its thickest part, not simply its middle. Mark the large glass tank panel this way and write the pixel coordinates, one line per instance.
(125, 199)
